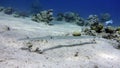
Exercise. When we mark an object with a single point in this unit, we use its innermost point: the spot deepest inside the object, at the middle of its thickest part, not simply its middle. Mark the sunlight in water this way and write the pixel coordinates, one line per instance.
(108, 56)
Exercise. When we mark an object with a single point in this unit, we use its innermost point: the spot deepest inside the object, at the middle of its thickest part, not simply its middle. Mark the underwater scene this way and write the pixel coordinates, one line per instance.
(59, 34)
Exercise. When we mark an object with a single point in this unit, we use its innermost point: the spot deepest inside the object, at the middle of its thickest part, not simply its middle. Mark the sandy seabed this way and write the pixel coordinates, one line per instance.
(58, 53)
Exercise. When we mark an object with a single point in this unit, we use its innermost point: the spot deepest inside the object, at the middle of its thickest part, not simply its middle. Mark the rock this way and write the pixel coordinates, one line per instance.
(76, 33)
(106, 36)
(8, 11)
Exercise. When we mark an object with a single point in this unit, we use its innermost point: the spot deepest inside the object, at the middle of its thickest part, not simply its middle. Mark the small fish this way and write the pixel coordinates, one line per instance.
(109, 22)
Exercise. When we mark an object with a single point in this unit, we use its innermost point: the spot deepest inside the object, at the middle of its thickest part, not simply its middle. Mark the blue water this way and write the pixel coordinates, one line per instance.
(83, 7)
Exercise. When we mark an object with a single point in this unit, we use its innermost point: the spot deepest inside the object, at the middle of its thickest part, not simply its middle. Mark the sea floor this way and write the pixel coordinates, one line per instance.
(57, 52)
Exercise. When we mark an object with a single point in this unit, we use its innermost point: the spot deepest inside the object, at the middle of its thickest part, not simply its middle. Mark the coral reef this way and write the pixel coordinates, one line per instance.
(60, 17)
(98, 27)
(109, 29)
(99, 30)
(15, 13)
(43, 16)
(112, 33)
(105, 17)
(94, 30)
(70, 17)
(118, 29)
(20, 14)
(1, 8)
(80, 21)
(8, 10)
(89, 32)
(92, 19)
(109, 36)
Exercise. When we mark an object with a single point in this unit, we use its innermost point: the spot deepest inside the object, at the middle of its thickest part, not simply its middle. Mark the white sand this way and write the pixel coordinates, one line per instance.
(99, 55)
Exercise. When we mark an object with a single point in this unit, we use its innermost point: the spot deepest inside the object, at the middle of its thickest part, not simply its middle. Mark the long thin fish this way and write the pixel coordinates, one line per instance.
(57, 37)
